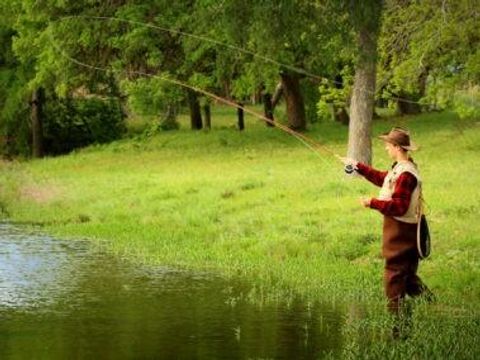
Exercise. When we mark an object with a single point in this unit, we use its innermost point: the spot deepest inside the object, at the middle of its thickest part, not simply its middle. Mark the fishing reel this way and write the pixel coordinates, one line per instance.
(349, 169)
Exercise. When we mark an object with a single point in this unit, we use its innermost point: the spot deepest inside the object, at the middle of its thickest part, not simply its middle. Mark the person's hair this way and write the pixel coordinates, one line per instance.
(401, 148)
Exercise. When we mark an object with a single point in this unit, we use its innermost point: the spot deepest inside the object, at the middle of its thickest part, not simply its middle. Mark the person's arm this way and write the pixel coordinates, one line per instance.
(401, 197)
(376, 177)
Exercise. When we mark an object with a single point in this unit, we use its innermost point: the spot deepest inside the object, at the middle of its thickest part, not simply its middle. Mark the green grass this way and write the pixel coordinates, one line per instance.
(260, 205)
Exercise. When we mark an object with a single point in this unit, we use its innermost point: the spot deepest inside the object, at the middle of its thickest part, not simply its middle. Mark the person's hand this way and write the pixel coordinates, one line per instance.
(365, 202)
(349, 164)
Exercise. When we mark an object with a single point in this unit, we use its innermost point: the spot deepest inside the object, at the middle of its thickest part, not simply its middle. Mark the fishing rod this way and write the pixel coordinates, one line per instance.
(310, 143)
(313, 145)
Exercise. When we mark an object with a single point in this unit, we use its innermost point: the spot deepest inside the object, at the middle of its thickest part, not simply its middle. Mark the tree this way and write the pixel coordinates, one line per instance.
(429, 55)
(365, 18)
(294, 100)
(283, 38)
(15, 94)
(46, 77)
(38, 99)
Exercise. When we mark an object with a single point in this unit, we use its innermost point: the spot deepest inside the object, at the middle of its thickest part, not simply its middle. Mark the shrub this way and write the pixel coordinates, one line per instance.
(74, 123)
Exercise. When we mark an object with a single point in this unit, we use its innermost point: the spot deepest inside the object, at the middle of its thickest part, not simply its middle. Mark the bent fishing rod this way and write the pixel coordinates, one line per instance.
(312, 144)
(315, 146)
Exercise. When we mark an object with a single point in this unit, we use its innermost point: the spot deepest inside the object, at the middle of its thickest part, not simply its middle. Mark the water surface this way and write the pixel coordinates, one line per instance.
(68, 299)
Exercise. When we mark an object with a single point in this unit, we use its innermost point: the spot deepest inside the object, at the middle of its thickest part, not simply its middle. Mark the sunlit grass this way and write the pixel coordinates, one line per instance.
(259, 204)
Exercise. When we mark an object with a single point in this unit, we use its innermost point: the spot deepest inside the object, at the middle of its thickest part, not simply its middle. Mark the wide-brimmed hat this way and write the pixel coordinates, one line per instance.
(401, 137)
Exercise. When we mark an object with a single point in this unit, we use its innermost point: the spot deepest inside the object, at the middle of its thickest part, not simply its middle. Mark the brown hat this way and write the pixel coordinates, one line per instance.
(400, 137)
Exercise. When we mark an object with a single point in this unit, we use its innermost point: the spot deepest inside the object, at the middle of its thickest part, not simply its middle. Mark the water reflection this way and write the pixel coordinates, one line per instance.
(63, 299)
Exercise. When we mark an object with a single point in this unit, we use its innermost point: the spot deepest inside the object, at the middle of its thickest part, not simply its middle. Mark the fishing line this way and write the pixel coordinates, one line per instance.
(232, 47)
(313, 145)
(307, 141)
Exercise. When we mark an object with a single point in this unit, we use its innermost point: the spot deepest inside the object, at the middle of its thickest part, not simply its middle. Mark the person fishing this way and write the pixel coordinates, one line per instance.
(399, 202)
(398, 198)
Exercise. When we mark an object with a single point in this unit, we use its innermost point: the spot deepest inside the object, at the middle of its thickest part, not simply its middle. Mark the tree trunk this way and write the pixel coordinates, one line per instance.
(227, 89)
(422, 82)
(169, 121)
(37, 122)
(268, 109)
(195, 112)
(277, 95)
(241, 123)
(341, 115)
(208, 117)
(256, 97)
(362, 104)
(294, 101)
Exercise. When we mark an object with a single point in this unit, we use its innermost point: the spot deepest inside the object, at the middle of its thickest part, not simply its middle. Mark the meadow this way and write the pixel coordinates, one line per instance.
(261, 206)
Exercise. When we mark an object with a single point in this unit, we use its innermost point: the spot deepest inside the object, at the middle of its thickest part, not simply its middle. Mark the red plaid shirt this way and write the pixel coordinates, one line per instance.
(404, 187)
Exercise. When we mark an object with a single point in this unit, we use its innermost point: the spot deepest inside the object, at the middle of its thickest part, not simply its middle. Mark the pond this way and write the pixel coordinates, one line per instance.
(64, 299)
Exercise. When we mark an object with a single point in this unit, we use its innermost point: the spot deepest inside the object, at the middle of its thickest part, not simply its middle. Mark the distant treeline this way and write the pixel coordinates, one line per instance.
(69, 81)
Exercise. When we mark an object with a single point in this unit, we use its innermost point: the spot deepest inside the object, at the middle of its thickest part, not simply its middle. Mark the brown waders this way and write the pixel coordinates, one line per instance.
(401, 263)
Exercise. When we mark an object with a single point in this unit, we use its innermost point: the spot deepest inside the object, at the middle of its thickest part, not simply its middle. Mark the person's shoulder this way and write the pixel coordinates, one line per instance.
(407, 167)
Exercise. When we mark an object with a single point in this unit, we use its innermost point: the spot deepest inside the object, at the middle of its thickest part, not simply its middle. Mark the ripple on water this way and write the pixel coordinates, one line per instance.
(59, 298)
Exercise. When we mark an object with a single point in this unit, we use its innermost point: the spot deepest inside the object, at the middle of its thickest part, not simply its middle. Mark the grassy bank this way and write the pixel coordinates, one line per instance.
(259, 204)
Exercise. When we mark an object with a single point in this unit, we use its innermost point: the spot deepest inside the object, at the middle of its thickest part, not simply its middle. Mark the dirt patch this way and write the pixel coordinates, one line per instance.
(40, 194)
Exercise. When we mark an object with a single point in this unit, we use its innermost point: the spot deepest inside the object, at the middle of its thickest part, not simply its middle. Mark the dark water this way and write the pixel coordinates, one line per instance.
(69, 300)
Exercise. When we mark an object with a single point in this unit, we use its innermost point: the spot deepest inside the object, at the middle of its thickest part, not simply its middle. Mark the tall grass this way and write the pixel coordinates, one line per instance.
(260, 205)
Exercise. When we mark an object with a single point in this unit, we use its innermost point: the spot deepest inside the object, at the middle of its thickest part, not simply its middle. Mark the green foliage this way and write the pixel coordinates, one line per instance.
(276, 36)
(429, 53)
(445, 94)
(365, 14)
(334, 95)
(15, 121)
(467, 102)
(14, 107)
(253, 78)
(73, 123)
(151, 95)
(310, 96)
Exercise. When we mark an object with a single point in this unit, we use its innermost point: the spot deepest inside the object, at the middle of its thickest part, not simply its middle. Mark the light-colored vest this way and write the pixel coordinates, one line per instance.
(388, 187)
